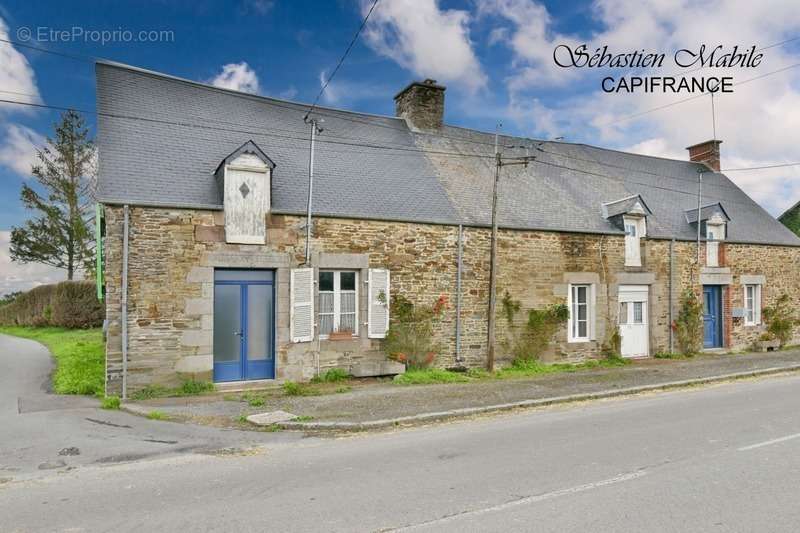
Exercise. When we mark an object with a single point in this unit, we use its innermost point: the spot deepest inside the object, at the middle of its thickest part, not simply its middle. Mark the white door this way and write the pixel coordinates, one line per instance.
(633, 321)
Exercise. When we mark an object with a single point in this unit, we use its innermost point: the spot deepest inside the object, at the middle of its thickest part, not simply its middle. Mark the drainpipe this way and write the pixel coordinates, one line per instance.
(671, 295)
(458, 293)
(125, 303)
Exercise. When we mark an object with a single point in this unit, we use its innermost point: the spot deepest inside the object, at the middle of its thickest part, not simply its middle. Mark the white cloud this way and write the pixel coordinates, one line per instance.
(258, 7)
(426, 40)
(238, 77)
(18, 148)
(22, 277)
(17, 80)
(342, 92)
(757, 122)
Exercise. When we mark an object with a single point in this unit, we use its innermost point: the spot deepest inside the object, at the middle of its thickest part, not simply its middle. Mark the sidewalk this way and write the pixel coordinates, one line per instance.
(379, 404)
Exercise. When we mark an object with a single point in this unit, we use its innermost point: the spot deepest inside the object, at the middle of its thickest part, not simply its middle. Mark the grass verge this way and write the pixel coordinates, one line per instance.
(79, 355)
(429, 376)
(187, 388)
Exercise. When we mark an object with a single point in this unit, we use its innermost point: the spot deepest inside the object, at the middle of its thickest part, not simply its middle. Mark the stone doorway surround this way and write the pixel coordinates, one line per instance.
(203, 339)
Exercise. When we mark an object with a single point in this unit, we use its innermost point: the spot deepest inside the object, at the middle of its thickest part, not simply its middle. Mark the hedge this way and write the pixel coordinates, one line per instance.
(69, 304)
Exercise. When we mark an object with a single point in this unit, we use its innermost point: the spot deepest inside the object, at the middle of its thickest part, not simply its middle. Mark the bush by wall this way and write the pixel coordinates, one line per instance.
(69, 304)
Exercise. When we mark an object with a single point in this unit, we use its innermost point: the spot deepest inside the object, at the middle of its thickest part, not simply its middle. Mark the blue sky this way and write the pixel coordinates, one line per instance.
(495, 56)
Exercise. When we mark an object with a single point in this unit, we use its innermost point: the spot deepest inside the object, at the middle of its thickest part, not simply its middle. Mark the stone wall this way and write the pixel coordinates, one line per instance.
(173, 253)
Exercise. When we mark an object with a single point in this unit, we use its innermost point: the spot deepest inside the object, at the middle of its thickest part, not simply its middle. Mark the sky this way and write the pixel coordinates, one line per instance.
(494, 56)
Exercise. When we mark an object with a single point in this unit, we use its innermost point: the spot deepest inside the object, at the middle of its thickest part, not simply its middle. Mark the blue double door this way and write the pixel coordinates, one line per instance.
(244, 325)
(712, 316)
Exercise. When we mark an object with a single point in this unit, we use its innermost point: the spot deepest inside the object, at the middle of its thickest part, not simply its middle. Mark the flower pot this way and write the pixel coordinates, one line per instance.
(769, 345)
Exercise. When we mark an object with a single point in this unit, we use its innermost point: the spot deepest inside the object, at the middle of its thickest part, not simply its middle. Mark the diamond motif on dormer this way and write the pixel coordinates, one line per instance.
(244, 189)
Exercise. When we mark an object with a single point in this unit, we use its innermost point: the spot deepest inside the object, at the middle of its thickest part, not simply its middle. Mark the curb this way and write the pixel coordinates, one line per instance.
(541, 402)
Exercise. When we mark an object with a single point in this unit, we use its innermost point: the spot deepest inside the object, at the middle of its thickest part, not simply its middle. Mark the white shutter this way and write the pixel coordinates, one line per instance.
(757, 305)
(592, 311)
(301, 322)
(378, 304)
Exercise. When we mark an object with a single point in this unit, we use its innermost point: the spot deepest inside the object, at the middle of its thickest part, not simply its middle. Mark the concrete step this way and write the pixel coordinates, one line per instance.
(377, 368)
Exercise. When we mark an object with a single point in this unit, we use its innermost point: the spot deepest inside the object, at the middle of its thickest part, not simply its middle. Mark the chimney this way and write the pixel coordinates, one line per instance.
(421, 104)
(706, 152)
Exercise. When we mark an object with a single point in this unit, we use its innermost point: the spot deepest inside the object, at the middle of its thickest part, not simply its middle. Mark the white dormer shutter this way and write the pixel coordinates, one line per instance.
(302, 305)
(378, 305)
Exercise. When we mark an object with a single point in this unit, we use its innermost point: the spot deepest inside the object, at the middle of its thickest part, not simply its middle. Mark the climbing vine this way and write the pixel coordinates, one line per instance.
(780, 319)
(688, 326)
(410, 336)
(527, 342)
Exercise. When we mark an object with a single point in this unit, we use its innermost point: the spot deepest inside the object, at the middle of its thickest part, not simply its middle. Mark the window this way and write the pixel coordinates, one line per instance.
(338, 302)
(579, 313)
(634, 231)
(638, 312)
(623, 313)
(752, 305)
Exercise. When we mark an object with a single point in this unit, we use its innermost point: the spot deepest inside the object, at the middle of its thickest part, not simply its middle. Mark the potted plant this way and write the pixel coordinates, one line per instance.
(341, 335)
(768, 342)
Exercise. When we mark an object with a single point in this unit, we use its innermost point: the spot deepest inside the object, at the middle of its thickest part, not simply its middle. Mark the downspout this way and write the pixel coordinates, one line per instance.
(671, 295)
(125, 303)
(458, 293)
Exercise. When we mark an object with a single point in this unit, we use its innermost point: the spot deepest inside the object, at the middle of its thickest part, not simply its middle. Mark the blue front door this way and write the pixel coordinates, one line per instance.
(244, 325)
(712, 317)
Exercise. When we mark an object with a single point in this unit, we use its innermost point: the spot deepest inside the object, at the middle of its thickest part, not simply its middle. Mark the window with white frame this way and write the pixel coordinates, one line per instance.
(579, 313)
(634, 231)
(752, 304)
(338, 302)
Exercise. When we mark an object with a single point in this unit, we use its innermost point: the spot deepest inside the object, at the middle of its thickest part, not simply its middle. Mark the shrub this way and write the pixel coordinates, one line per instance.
(332, 375)
(780, 319)
(410, 336)
(110, 402)
(688, 326)
(70, 304)
(192, 387)
(612, 347)
(528, 343)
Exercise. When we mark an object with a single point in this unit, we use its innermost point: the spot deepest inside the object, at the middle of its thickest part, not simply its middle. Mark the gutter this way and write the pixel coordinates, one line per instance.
(459, 359)
(125, 225)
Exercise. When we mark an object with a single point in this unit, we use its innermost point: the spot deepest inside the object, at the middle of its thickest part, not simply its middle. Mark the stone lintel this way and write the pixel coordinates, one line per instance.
(581, 277)
(636, 278)
(752, 279)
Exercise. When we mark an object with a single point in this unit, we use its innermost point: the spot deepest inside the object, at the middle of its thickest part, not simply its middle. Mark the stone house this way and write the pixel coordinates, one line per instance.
(204, 195)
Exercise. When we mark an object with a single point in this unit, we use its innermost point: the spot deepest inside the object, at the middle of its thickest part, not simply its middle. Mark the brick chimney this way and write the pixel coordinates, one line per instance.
(706, 152)
(421, 104)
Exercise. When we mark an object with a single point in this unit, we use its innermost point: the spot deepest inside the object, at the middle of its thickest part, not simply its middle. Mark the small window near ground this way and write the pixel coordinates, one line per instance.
(579, 313)
(338, 302)
(752, 304)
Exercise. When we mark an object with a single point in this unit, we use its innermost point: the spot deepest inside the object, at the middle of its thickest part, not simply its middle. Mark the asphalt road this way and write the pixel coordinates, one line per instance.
(44, 434)
(723, 458)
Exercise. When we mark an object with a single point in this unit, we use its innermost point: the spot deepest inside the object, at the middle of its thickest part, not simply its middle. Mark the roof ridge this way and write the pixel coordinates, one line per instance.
(162, 75)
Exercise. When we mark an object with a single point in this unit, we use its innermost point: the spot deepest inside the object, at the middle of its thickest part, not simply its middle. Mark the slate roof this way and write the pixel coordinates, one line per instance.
(160, 139)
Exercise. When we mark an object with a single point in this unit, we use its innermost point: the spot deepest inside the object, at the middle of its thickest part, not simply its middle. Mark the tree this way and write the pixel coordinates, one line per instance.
(59, 232)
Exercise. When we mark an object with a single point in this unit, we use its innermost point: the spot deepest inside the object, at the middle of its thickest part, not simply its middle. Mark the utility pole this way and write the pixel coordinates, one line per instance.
(499, 164)
(699, 201)
(315, 129)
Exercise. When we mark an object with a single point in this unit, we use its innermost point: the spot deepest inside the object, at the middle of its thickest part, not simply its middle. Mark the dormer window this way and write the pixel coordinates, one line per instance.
(713, 222)
(245, 179)
(629, 214)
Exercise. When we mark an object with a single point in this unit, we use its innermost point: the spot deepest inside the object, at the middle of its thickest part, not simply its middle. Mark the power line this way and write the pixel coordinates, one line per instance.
(76, 57)
(341, 60)
(372, 146)
(694, 97)
(779, 165)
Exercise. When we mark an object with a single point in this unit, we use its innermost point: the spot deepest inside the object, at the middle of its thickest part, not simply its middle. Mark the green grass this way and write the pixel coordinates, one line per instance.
(304, 418)
(429, 376)
(157, 415)
(110, 402)
(254, 400)
(333, 375)
(187, 388)
(291, 388)
(79, 355)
